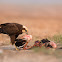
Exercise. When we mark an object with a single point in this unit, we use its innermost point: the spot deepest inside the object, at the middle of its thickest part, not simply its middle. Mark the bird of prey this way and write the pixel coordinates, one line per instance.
(13, 30)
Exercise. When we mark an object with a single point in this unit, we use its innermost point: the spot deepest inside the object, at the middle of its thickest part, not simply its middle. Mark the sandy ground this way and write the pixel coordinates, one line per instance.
(9, 54)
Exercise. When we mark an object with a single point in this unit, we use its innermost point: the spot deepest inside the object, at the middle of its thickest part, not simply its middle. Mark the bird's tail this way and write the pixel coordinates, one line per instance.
(0, 25)
(4, 24)
(0, 28)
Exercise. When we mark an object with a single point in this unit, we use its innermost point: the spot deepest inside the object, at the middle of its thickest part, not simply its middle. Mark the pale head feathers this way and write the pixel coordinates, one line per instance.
(25, 27)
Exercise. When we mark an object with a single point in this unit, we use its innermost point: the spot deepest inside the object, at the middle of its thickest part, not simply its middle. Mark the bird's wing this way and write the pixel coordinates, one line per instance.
(10, 28)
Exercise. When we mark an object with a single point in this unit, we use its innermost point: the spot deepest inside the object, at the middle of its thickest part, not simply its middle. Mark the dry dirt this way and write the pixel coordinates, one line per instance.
(9, 54)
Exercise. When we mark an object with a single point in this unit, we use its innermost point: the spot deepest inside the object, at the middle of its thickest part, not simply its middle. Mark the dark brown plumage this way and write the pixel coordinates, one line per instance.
(13, 30)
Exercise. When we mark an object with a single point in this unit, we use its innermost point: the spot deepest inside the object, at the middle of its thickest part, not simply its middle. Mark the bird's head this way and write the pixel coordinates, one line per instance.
(25, 30)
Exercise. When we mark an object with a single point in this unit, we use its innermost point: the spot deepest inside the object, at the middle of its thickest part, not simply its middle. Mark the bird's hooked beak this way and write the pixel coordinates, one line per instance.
(25, 30)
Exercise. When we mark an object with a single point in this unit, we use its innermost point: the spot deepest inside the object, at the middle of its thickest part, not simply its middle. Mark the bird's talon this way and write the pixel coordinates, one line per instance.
(17, 49)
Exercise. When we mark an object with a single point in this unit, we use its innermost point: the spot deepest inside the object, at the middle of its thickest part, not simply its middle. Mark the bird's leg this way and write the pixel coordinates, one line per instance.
(12, 38)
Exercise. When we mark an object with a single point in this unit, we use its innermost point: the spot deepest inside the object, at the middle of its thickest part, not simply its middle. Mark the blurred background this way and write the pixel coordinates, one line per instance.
(43, 18)
(40, 16)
